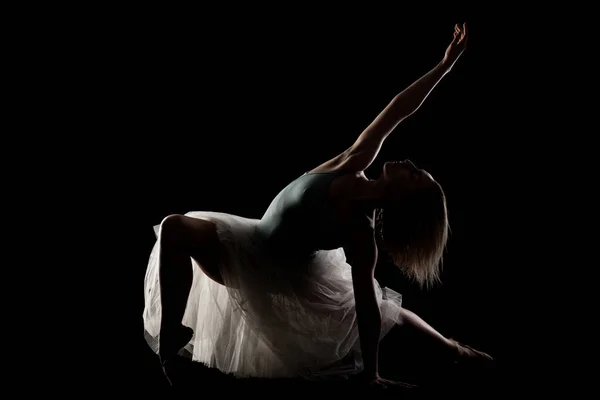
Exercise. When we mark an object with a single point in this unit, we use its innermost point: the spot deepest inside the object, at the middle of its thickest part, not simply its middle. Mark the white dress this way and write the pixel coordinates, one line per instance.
(266, 322)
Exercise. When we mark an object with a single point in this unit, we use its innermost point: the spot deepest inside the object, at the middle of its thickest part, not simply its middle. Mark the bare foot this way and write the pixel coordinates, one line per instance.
(468, 354)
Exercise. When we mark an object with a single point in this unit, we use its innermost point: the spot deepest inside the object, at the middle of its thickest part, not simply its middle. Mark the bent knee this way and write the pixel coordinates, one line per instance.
(197, 238)
(173, 222)
(189, 232)
(172, 228)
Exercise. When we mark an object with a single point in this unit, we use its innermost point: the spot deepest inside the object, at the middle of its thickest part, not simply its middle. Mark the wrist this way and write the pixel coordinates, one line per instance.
(447, 63)
(449, 60)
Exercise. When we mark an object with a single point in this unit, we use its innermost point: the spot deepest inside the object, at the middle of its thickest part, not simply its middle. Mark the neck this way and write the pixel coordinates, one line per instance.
(370, 193)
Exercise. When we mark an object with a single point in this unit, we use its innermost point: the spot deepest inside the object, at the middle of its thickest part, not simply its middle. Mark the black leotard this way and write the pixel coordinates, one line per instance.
(299, 220)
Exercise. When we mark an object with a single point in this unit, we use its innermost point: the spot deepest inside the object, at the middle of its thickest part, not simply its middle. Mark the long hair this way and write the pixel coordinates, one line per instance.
(413, 230)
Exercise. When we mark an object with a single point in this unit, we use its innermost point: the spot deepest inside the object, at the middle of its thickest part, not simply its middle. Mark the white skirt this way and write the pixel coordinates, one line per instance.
(269, 320)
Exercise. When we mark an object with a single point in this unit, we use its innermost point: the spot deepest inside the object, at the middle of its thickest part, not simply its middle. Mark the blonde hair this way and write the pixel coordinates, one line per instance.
(414, 230)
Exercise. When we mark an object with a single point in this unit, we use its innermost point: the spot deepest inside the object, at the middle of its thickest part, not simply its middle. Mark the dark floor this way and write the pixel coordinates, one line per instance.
(190, 377)
(431, 379)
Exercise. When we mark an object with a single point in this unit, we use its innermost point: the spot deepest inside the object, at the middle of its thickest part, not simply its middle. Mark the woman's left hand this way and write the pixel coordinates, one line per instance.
(457, 46)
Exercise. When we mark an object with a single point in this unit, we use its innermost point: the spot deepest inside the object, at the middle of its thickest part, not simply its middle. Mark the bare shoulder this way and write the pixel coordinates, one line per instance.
(344, 191)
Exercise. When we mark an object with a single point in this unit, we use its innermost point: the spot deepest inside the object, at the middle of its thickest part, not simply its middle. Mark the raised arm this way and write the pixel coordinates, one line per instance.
(364, 151)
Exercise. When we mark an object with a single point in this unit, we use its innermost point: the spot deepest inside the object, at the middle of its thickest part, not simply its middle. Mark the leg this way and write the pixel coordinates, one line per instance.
(427, 340)
(182, 238)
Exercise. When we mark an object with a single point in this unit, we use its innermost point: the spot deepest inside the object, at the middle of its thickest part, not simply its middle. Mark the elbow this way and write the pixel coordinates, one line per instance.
(406, 112)
(368, 316)
(367, 304)
(368, 307)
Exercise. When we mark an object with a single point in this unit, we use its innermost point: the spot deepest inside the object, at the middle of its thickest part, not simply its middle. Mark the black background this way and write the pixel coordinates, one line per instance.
(217, 110)
(223, 120)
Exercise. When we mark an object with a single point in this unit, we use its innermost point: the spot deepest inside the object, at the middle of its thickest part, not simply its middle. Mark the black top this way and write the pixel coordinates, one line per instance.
(299, 220)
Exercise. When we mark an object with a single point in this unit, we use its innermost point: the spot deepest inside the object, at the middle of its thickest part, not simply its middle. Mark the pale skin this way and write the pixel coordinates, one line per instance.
(184, 237)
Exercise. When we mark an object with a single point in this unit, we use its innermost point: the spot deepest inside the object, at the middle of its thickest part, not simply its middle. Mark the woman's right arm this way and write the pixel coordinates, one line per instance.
(361, 253)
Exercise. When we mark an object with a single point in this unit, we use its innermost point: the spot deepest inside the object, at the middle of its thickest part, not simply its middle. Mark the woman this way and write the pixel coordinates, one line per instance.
(294, 294)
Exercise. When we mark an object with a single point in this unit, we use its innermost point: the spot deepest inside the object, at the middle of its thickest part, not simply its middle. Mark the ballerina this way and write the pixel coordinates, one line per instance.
(293, 293)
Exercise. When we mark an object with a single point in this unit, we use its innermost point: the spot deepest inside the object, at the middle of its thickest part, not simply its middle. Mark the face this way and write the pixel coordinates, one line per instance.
(405, 176)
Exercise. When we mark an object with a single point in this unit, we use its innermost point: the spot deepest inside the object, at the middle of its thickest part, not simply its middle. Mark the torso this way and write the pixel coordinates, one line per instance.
(321, 224)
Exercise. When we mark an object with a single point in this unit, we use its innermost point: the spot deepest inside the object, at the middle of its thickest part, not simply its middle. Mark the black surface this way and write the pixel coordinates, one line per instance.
(219, 114)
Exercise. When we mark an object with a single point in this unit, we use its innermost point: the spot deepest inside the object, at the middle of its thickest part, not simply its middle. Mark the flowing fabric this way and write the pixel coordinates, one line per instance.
(273, 317)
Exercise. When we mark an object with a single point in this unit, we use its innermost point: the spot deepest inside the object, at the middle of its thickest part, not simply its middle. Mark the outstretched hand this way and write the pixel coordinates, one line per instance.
(458, 44)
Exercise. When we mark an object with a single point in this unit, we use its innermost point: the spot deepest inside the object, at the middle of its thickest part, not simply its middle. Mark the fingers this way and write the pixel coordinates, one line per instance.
(398, 384)
(456, 35)
(407, 385)
(460, 33)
